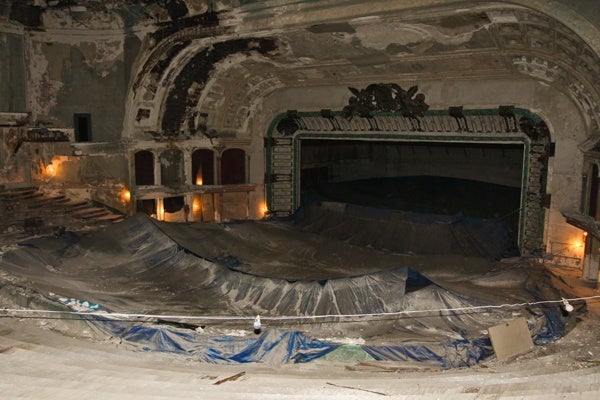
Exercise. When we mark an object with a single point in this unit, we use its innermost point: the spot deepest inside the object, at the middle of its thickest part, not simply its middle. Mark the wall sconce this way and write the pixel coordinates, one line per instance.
(125, 195)
(264, 210)
(50, 170)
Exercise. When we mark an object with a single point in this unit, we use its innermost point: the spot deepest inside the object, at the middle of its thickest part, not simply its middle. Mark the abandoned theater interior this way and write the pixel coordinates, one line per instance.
(335, 163)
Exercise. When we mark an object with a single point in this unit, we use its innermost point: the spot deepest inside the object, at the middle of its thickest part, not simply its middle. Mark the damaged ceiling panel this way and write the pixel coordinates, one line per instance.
(186, 46)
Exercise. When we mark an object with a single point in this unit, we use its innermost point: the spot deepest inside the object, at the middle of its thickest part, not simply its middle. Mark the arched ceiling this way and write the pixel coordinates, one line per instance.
(217, 70)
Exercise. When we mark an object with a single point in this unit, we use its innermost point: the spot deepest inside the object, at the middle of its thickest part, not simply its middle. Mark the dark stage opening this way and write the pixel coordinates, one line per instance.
(476, 180)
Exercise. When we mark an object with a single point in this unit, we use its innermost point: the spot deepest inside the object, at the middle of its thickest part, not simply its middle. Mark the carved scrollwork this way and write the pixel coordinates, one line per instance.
(385, 97)
(535, 130)
(287, 126)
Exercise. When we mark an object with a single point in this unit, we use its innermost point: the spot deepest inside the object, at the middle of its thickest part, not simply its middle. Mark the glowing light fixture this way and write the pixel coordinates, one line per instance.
(160, 210)
(264, 209)
(199, 178)
(50, 170)
(125, 195)
(581, 242)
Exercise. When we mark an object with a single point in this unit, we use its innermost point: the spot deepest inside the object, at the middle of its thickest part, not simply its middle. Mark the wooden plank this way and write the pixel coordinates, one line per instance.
(510, 338)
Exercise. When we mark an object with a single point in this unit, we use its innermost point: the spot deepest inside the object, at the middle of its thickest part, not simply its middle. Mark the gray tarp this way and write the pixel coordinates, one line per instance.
(134, 267)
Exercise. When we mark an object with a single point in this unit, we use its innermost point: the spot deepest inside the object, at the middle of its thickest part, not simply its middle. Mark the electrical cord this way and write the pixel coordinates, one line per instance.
(21, 313)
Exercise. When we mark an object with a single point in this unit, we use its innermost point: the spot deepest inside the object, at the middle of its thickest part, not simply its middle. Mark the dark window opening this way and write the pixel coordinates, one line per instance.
(82, 124)
(233, 167)
(144, 168)
(147, 207)
(203, 167)
(173, 204)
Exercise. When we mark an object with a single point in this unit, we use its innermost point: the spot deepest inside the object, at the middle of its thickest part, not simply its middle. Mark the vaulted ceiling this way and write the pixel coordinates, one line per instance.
(223, 65)
(220, 59)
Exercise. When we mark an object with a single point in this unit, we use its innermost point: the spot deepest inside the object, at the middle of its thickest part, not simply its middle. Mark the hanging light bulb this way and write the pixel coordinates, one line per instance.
(257, 325)
(568, 307)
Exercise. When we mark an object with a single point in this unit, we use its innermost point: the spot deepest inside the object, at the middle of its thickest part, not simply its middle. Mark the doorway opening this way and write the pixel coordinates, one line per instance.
(82, 124)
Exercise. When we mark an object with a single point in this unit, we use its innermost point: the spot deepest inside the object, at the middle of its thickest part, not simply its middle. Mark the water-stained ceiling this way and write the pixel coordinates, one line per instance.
(223, 67)
(218, 60)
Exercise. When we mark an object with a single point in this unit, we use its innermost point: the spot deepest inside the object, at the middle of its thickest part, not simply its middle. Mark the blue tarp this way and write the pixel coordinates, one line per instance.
(272, 346)
(445, 354)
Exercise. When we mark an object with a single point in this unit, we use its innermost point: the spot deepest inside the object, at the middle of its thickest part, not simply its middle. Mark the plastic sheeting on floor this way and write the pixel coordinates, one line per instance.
(407, 232)
(134, 267)
(273, 346)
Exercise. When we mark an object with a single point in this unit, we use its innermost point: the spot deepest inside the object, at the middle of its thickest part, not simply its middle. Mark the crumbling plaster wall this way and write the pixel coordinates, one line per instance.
(24, 163)
(12, 73)
(101, 176)
(83, 77)
(79, 63)
(12, 170)
(75, 62)
(563, 117)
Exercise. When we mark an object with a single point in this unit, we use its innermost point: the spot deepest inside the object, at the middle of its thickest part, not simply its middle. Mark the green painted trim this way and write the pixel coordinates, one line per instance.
(444, 112)
(407, 137)
(524, 187)
(267, 185)
(421, 138)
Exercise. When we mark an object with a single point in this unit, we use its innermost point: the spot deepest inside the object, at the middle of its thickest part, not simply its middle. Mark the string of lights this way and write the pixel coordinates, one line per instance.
(21, 313)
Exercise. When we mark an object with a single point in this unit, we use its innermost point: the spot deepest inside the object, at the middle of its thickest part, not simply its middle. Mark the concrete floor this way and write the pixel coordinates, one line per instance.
(41, 363)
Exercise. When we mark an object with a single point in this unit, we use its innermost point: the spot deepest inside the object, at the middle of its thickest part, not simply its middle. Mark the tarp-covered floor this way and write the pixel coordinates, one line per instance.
(318, 295)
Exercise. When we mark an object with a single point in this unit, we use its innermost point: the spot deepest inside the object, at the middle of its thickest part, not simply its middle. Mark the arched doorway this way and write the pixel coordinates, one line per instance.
(233, 167)
(203, 167)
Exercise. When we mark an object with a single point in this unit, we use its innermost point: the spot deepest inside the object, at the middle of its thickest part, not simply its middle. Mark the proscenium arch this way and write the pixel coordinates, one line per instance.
(482, 126)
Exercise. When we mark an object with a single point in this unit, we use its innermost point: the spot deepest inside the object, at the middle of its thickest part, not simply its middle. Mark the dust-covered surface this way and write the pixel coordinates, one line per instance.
(277, 269)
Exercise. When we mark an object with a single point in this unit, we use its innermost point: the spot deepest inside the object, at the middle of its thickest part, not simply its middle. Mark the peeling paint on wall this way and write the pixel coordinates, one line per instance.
(386, 34)
(43, 91)
(68, 18)
(101, 56)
